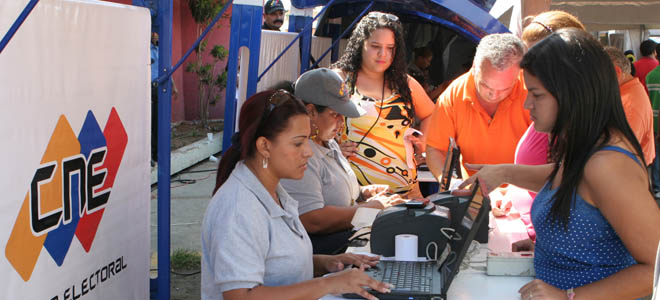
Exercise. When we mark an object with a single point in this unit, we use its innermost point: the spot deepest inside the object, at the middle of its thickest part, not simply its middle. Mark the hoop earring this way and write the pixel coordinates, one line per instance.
(315, 132)
(264, 163)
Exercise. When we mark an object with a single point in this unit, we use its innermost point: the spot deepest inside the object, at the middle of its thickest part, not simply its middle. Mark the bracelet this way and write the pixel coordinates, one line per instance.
(570, 293)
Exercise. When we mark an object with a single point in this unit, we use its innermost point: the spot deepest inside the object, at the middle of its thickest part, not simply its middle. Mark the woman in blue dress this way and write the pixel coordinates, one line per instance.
(597, 224)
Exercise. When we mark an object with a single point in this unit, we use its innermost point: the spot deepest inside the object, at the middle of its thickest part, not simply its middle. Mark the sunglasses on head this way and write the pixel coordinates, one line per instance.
(278, 98)
(383, 16)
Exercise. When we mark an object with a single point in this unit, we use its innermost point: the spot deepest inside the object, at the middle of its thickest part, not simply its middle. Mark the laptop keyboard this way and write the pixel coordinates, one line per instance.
(408, 275)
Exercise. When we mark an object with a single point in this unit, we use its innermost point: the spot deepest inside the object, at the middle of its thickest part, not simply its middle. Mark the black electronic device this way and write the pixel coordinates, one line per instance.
(415, 203)
(423, 222)
(426, 280)
(451, 166)
(443, 210)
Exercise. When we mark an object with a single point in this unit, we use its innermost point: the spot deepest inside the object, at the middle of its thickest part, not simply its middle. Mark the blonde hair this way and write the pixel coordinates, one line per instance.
(548, 22)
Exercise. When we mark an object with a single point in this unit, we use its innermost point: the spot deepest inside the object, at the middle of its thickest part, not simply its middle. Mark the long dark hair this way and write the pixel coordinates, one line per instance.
(575, 69)
(351, 61)
(252, 125)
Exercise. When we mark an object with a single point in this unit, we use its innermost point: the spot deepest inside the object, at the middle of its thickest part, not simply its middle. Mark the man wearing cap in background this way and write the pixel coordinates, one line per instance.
(273, 15)
(328, 195)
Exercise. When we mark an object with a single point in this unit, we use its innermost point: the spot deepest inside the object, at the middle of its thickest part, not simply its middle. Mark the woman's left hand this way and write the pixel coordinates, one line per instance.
(539, 290)
(382, 201)
(335, 263)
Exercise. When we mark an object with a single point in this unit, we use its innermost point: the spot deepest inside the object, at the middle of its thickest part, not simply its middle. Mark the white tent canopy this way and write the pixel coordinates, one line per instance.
(631, 21)
(599, 15)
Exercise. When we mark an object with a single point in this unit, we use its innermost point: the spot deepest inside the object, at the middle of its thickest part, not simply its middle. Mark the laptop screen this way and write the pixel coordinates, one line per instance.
(476, 213)
(450, 166)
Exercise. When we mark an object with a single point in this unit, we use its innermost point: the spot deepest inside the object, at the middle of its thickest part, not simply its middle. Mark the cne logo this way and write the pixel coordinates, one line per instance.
(68, 192)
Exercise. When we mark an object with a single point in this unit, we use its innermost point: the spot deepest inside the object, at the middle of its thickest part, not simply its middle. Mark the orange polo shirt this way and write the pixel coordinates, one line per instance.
(481, 139)
(637, 106)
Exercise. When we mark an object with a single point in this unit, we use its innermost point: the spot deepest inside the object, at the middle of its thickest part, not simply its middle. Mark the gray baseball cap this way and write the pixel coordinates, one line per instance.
(324, 87)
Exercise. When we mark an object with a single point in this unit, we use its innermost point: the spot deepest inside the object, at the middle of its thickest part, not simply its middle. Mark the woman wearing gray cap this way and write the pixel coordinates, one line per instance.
(328, 195)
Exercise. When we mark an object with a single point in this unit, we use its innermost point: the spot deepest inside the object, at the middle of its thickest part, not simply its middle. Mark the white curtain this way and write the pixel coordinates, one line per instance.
(288, 66)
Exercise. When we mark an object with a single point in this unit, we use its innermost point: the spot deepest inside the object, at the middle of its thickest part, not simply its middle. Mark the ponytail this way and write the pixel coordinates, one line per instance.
(227, 164)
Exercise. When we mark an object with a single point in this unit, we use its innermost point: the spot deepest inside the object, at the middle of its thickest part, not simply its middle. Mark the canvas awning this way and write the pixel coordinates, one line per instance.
(600, 15)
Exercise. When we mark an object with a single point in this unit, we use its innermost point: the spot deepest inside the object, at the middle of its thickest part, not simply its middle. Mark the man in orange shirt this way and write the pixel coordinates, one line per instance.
(483, 108)
(636, 103)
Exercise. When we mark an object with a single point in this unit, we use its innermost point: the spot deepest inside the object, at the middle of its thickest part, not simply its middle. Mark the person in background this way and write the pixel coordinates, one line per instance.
(380, 144)
(631, 57)
(154, 97)
(532, 148)
(653, 88)
(253, 244)
(482, 109)
(595, 218)
(419, 69)
(636, 103)
(273, 15)
(329, 195)
(648, 61)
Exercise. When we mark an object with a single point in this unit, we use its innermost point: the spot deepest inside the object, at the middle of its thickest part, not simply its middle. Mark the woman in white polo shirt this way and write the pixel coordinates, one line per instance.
(253, 244)
(329, 194)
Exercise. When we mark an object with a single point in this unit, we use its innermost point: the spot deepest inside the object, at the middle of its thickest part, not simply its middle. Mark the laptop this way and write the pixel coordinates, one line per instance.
(430, 280)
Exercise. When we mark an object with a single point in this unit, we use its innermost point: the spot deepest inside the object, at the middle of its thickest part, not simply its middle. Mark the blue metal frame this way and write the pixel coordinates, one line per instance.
(305, 45)
(245, 32)
(299, 24)
(17, 24)
(164, 140)
(474, 14)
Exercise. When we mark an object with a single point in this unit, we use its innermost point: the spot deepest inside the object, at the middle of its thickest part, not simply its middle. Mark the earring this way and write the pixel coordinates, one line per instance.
(315, 132)
(264, 162)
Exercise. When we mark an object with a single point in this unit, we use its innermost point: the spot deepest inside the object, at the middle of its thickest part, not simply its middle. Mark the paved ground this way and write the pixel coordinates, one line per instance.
(188, 204)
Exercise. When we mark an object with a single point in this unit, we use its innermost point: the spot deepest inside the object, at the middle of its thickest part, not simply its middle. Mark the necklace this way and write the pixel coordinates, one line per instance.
(382, 99)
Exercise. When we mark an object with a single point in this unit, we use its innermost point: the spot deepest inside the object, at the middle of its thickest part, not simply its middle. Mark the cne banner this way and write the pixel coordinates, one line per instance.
(74, 215)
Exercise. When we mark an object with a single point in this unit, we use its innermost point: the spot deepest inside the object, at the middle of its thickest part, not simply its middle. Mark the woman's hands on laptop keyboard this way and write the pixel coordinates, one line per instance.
(354, 281)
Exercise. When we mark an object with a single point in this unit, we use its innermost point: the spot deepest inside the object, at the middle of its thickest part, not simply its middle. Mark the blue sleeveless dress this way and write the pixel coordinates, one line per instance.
(588, 251)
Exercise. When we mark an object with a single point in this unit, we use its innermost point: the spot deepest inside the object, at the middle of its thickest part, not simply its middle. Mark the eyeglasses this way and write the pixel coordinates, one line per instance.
(383, 16)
